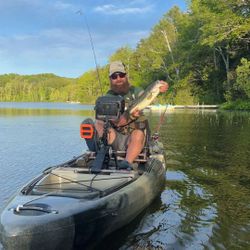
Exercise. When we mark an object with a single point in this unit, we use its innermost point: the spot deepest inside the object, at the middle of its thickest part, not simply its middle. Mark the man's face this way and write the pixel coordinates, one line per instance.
(119, 82)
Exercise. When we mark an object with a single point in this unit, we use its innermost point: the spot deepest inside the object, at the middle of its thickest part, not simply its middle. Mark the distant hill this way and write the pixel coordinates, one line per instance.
(37, 88)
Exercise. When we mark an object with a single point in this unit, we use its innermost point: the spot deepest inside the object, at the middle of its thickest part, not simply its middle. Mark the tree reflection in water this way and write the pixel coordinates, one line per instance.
(206, 200)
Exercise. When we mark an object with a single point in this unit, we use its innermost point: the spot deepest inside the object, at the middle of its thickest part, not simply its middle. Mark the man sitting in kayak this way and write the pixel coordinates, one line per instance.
(127, 134)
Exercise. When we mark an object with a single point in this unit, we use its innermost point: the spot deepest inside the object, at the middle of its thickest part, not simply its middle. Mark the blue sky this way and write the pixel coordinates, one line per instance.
(48, 36)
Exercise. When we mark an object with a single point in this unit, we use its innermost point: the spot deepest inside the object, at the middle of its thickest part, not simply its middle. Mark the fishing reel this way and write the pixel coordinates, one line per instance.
(108, 108)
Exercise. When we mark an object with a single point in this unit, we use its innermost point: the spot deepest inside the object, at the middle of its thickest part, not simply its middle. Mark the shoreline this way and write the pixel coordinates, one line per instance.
(172, 107)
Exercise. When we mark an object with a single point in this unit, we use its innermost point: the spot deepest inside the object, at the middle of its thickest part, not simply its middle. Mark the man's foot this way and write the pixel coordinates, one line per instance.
(124, 165)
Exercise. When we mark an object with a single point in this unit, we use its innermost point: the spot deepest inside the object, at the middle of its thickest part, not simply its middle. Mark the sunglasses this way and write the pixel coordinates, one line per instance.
(115, 75)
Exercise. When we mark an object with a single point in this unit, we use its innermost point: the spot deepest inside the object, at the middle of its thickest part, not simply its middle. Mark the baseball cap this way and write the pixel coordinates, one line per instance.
(116, 66)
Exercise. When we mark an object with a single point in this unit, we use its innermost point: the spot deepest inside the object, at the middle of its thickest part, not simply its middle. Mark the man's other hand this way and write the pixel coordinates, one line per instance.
(164, 86)
(136, 113)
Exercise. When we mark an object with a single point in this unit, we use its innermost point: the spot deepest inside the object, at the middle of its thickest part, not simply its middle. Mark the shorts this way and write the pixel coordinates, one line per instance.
(121, 142)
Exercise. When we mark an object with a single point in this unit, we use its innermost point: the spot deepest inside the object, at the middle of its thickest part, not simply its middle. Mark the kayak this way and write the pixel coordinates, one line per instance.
(68, 206)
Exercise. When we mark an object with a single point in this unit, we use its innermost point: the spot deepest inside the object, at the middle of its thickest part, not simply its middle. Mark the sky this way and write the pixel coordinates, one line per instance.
(51, 36)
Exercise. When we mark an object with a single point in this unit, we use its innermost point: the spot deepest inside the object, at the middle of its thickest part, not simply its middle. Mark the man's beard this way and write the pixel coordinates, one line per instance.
(121, 89)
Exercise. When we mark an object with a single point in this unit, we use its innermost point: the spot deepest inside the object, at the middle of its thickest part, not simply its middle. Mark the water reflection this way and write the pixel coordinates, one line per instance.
(208, 180)
(43, 108)
(44, 105)
(42, 112)
(205, 203)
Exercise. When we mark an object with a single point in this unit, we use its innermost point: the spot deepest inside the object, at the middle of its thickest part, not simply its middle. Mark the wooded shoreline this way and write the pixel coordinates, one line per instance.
(203, 53)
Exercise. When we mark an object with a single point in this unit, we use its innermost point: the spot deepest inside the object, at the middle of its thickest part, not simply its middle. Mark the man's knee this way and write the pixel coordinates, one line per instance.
(111, 136)
(137, 136)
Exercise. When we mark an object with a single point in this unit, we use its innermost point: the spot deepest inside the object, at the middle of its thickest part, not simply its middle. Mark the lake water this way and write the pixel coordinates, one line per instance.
(206, 200)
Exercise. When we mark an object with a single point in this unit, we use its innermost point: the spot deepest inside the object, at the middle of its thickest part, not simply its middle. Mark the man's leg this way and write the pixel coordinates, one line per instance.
(111, 133)
(135, 145)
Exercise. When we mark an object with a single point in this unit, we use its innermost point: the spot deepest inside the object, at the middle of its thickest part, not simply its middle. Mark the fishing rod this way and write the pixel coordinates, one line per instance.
(92, 47)
(157, 129)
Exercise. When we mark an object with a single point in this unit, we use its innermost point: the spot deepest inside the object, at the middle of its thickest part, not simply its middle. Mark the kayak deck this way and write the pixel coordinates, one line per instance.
(65, 180)
(75, 178)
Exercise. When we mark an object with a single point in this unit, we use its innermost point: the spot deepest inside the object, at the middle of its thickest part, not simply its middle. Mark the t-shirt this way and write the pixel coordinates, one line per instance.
(133, 94)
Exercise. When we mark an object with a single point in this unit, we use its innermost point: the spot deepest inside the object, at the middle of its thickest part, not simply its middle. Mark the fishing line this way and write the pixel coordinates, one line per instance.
(92, 47)
(157, 130)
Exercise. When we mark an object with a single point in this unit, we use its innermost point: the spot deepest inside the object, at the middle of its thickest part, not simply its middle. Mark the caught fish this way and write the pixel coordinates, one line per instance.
(149, 94)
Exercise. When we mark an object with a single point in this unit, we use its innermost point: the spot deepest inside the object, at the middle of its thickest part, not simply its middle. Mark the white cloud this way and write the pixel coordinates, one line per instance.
(49, 38)
(52, 49)
(47, 45)
(111, 9)
(59, 51)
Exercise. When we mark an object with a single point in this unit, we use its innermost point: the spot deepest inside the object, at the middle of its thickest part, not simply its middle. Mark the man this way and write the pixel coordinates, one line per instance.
(128, 132)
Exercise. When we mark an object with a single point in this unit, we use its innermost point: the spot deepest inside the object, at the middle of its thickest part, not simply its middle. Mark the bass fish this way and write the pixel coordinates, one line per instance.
(149, 94)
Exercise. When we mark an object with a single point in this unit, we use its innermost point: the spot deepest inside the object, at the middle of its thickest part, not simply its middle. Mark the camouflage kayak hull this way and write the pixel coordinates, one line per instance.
(67, 207)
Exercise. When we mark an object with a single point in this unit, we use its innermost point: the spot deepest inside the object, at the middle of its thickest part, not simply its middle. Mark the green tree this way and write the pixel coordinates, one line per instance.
(225, 29)
(243, 77)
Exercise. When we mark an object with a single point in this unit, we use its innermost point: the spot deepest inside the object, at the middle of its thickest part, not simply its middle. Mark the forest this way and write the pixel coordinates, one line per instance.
(203, 53)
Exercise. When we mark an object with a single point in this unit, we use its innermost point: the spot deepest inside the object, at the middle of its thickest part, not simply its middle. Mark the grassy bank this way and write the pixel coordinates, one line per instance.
(236, 105)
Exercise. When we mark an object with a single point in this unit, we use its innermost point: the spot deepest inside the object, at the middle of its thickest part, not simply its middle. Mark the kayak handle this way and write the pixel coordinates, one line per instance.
(20, 208)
